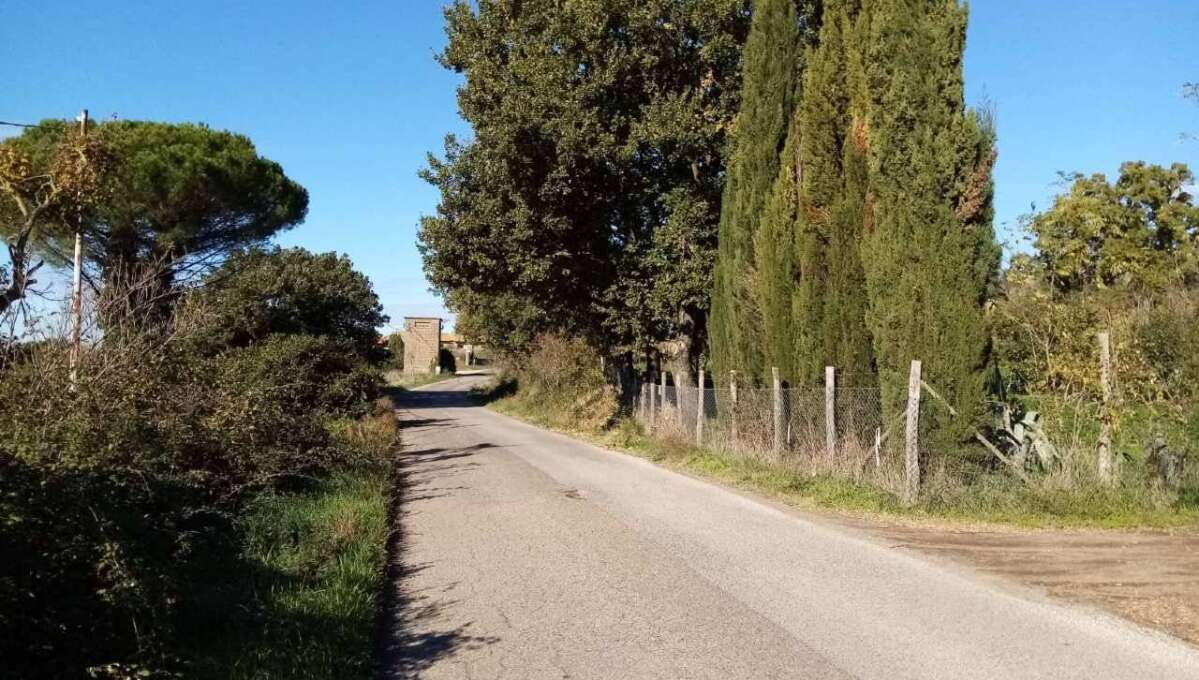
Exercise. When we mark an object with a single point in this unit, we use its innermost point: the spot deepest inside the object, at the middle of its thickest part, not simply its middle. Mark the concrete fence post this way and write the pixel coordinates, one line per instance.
(830, 415)
(1107, 419)
(777, 390)
(652, 391)
(699, 409)
(912, 444)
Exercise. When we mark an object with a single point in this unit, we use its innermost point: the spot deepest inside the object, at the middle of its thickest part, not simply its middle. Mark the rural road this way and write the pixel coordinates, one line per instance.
(526, 554)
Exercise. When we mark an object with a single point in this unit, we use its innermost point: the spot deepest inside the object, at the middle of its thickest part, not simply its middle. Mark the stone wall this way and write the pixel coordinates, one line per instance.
(422, 340)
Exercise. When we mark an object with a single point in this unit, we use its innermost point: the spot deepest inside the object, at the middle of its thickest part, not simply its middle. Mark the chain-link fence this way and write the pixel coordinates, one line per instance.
(839, 431)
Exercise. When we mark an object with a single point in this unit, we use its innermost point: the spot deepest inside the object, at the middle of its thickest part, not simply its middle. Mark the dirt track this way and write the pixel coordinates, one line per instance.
(1150, 578)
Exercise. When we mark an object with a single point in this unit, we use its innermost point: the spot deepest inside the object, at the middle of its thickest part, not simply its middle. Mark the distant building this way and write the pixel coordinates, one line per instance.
(422, 343)
(465, 353)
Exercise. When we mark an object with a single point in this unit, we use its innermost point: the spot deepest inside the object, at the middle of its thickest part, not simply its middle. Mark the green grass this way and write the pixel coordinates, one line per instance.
(985, 498)
(404, 381)
(302, 603)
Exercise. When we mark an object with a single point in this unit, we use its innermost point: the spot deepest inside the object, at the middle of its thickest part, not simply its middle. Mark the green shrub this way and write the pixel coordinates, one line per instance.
(116, 497)
(395, 351)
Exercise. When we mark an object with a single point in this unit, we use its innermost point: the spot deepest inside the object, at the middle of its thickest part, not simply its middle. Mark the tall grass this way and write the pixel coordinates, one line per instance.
(296, 592)
(1070, 497)
(302, 602)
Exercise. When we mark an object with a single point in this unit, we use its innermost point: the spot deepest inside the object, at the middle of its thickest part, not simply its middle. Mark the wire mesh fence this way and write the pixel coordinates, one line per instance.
(843, 432)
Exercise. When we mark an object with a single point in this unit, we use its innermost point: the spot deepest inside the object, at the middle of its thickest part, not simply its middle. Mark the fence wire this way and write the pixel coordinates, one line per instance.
(788, 427)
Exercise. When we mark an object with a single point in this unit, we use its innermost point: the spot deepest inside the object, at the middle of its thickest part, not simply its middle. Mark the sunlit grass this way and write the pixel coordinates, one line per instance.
(302, 602)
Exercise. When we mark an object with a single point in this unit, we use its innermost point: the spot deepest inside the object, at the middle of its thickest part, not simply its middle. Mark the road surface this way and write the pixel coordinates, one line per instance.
(525, 554)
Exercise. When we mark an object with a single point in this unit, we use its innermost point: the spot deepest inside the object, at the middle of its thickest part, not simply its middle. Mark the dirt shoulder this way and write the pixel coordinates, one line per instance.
(1151, 578)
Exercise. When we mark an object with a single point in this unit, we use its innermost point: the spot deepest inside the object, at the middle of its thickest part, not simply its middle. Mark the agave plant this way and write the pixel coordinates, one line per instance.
(1166, 465)
(1024, 440)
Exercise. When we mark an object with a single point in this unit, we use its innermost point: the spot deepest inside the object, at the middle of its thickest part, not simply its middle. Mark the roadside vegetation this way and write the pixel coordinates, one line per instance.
(200, 492)
(559, 385)
(764, 192)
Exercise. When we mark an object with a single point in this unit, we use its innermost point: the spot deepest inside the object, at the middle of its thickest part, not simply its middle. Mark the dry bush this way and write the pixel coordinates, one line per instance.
(561, 381)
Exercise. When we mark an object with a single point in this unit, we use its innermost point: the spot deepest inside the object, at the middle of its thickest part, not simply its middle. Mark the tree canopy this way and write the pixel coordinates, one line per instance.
(178, 196)
(258, 293)
(1142, 231)
(588, 194)
(747, 272)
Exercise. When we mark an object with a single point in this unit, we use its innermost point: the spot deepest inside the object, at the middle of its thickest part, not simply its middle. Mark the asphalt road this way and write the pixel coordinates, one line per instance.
(525, 554)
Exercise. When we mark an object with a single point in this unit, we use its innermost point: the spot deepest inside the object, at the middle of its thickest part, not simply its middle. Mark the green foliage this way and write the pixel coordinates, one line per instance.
(395, 351)
(1142, 232)
(772, 64)
(257, 293)
(586, 201)
(118, 495)
(930, 253)
(560, 383)
(303, 599)
(157, 202)
(187, 194)
(814, 306)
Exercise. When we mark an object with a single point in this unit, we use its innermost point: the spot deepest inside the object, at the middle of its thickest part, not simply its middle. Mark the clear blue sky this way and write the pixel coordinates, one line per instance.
(348, 98)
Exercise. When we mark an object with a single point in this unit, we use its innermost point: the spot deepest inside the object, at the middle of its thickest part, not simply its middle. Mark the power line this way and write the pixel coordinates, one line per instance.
(24, 125)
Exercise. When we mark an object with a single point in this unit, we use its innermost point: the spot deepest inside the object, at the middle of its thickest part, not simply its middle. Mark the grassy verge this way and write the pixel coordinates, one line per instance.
(302, 601)
(988, 499)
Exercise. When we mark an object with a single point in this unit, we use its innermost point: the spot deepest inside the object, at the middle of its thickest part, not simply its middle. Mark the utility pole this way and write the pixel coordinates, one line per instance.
(77, 283)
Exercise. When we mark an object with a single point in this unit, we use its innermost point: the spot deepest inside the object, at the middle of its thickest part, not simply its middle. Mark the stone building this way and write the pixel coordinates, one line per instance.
(422, 342)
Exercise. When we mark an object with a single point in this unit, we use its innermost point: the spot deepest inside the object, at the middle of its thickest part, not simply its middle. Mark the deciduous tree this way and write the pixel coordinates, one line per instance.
(588, 194)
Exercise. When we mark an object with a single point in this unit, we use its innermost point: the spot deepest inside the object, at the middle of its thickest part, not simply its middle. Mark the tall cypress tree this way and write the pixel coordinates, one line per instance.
(931, 252)
(771, 67)
(814, 313)
(831, 294)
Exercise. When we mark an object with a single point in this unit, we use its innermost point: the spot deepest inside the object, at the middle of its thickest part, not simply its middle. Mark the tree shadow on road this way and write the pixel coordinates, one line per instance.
(401, 651)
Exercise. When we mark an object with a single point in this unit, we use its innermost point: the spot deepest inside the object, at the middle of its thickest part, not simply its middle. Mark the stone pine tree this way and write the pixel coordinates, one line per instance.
(930, 250)
(771, 67)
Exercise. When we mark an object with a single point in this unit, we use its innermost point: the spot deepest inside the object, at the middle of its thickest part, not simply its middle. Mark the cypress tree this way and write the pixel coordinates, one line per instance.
(771, 67)
(815, 311)
(775, 267)
(931, 250)
(831, 295)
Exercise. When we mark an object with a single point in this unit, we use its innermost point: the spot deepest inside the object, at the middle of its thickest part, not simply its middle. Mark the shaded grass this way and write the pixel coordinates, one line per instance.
(981, 497)
(301, 601)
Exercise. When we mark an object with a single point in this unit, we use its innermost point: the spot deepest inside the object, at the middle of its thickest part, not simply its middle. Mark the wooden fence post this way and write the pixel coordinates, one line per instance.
(830, 417)
(912, 447)
(733, 403)
(777, 389)
(1106, 458)
(699, 409)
